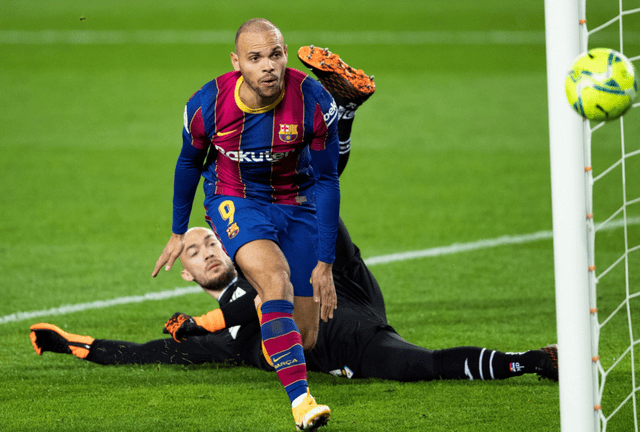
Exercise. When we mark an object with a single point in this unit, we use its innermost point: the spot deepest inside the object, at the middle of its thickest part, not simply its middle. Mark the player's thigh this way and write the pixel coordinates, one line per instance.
(248, 235)
(265, 267)
(297, 236)
(298, 240)
(306, 314)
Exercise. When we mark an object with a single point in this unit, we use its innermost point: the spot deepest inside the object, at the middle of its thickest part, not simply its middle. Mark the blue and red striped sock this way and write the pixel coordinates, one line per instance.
(283, 343)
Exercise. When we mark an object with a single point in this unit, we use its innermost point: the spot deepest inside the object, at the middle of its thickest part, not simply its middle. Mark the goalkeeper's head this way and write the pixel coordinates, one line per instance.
(204, 261)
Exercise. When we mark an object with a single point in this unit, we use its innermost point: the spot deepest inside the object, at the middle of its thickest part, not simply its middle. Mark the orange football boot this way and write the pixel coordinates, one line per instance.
(346, 84)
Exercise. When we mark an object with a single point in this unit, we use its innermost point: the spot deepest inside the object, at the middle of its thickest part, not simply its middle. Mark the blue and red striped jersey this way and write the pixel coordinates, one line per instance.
(285, 153)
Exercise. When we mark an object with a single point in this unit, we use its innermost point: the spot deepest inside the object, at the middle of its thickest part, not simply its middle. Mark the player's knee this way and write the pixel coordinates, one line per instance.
(309, 335)
(309, 340)
(273, 284)
(306, 316)
(280, 284)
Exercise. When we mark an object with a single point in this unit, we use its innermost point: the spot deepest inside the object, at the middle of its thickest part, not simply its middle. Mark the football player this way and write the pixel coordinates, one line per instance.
(264, 137)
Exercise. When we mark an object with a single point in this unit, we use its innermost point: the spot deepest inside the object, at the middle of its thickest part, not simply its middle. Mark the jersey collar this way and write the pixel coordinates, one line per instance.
(227, 287)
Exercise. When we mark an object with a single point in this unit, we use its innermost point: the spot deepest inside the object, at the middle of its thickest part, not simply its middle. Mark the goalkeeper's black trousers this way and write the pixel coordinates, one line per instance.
(211, 348)
(388, 356)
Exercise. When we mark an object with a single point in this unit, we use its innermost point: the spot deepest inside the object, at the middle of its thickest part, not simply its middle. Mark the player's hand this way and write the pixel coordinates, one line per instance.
(324, 291)
(180, 326)
(170, 254)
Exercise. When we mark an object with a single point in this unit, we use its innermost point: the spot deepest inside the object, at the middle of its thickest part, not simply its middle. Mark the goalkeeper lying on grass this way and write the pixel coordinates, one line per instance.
(357, 342)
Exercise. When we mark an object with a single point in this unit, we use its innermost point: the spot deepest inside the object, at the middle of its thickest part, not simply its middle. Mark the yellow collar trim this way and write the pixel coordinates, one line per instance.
(248, 110)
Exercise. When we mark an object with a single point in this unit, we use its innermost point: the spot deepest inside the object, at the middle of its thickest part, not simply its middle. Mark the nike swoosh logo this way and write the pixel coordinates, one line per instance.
(467, 371)
(225, 133)
(275, 360)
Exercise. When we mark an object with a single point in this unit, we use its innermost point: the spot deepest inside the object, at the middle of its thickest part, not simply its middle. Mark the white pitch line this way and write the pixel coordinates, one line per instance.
(225, 37)
(99, 304)
(376, 260)
(458, 247)
(483, 244)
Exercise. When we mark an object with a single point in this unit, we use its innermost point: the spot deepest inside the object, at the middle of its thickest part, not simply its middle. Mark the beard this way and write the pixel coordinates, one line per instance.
(220, 282)
(273, 91)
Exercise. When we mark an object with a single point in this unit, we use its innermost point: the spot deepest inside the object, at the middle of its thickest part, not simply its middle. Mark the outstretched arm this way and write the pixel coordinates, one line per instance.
(185, 183)
(237, 312)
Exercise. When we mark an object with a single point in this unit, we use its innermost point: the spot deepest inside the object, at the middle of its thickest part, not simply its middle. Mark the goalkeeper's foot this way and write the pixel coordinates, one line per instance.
(47, 337)
(309, 416)
(548, 365)
(348, 86)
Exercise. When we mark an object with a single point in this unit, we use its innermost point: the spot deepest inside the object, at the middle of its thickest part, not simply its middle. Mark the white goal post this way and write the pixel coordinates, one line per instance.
(566, 133)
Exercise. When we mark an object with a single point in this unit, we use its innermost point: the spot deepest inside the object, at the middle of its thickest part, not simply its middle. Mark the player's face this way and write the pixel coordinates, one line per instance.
(204, 260)
(261, 57)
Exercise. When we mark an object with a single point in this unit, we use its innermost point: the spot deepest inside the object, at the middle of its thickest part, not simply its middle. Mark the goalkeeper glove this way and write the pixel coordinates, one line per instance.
(180, 326)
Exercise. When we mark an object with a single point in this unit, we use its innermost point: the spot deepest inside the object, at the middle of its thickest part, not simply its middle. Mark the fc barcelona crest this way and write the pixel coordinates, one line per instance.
(233, 230)
(288, 132)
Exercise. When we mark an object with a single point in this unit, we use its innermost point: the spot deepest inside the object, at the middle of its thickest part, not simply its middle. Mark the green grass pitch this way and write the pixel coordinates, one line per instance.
(452, 148)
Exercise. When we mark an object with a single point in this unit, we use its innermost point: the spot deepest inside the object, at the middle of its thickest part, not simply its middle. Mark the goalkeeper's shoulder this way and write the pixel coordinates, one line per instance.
(237, 303)
(240, 288)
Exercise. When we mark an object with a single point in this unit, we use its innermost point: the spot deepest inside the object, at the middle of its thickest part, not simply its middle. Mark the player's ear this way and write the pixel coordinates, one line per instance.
(234, 61)
(186, 276)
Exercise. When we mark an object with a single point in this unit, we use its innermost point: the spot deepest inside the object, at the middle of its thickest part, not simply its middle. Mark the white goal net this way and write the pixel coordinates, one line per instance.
(612, 167)
(597, 264)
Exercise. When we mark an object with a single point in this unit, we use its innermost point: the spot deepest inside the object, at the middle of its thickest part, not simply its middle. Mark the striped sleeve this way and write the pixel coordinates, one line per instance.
(325, 148)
